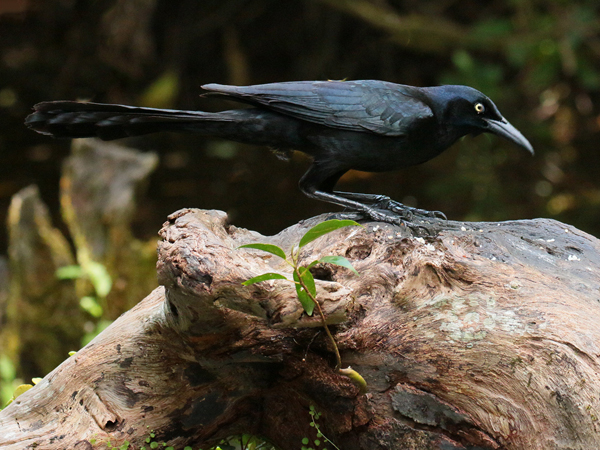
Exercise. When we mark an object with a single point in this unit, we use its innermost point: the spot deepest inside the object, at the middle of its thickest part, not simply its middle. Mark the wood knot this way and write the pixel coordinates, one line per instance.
(358, 252)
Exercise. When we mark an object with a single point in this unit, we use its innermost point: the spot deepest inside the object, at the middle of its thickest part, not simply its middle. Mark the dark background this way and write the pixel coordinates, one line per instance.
(538, 60)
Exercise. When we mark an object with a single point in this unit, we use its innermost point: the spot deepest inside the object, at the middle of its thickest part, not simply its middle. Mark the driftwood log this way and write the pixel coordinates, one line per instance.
(483, 336)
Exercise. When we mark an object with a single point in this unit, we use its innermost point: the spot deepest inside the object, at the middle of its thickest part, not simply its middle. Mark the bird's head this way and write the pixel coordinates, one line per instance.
(470, 112)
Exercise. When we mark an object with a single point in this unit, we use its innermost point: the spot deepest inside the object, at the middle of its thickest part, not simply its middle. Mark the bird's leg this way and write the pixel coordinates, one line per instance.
(384, 202)
(318, 183)
(372, 213)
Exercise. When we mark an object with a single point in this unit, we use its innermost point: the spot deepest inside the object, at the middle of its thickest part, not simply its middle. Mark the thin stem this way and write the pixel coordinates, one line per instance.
(294, 257)
(325, 437)
(323, 321)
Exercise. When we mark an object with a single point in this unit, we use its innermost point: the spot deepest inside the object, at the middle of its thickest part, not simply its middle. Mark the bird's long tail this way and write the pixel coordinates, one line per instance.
(67, 119)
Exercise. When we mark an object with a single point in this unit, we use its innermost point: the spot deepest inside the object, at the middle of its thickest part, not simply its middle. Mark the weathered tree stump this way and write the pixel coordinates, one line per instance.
(100, 186)
(40, 317)
(43, 320)
(484, 336)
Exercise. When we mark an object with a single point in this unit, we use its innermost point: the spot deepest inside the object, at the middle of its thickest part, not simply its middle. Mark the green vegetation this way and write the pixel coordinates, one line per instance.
(305, 282)
(302, 276)
(319, 434)
(99, 278)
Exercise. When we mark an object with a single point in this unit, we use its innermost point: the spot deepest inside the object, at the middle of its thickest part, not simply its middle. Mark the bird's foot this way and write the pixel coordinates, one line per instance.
(387, 216)
(406, 212)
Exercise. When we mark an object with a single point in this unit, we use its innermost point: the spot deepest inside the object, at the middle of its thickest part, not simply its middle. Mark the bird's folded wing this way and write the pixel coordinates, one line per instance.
(380, 107)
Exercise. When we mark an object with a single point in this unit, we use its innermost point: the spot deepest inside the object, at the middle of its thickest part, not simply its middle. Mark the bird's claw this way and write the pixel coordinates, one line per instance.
(438, 215)
(381, 215)
(407, 212)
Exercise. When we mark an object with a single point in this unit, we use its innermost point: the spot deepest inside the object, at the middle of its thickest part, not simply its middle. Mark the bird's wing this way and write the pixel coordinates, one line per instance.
(379, 107)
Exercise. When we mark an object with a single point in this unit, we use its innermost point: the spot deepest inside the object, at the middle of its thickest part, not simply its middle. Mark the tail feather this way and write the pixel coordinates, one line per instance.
(65, 119)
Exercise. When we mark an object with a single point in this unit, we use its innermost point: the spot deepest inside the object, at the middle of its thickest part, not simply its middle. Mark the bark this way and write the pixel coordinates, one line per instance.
(482, 336)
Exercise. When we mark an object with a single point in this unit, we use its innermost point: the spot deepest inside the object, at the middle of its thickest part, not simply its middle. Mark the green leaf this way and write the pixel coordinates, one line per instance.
(305, 300)
(308, 280)
(90, 305)
(313, 264)
(8, 372)
(162, 92)
(100, 278)
(323, 228)
(21, 389)
(264, 277)
(269, 248)
(69, 272)
(338, 261)
(463, 61)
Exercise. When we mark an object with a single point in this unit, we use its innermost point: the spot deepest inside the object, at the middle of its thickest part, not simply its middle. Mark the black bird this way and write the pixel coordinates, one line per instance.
(368, 125)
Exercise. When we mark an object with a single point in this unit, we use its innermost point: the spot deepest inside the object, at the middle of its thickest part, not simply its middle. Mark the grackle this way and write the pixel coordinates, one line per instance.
(367, 125)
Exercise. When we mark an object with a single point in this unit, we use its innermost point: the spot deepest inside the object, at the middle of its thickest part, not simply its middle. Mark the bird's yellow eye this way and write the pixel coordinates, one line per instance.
(479, 108)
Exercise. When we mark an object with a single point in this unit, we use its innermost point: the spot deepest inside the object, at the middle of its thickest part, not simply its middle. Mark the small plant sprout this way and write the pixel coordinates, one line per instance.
(305, 282)
(317, 442)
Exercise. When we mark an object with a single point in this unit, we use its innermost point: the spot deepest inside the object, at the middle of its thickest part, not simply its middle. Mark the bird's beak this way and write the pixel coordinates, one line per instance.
(506, 130)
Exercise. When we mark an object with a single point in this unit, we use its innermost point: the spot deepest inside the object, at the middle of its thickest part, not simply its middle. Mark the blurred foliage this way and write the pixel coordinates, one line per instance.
(8, 380)
(162, 92)
(61, 295)
(538, 60)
